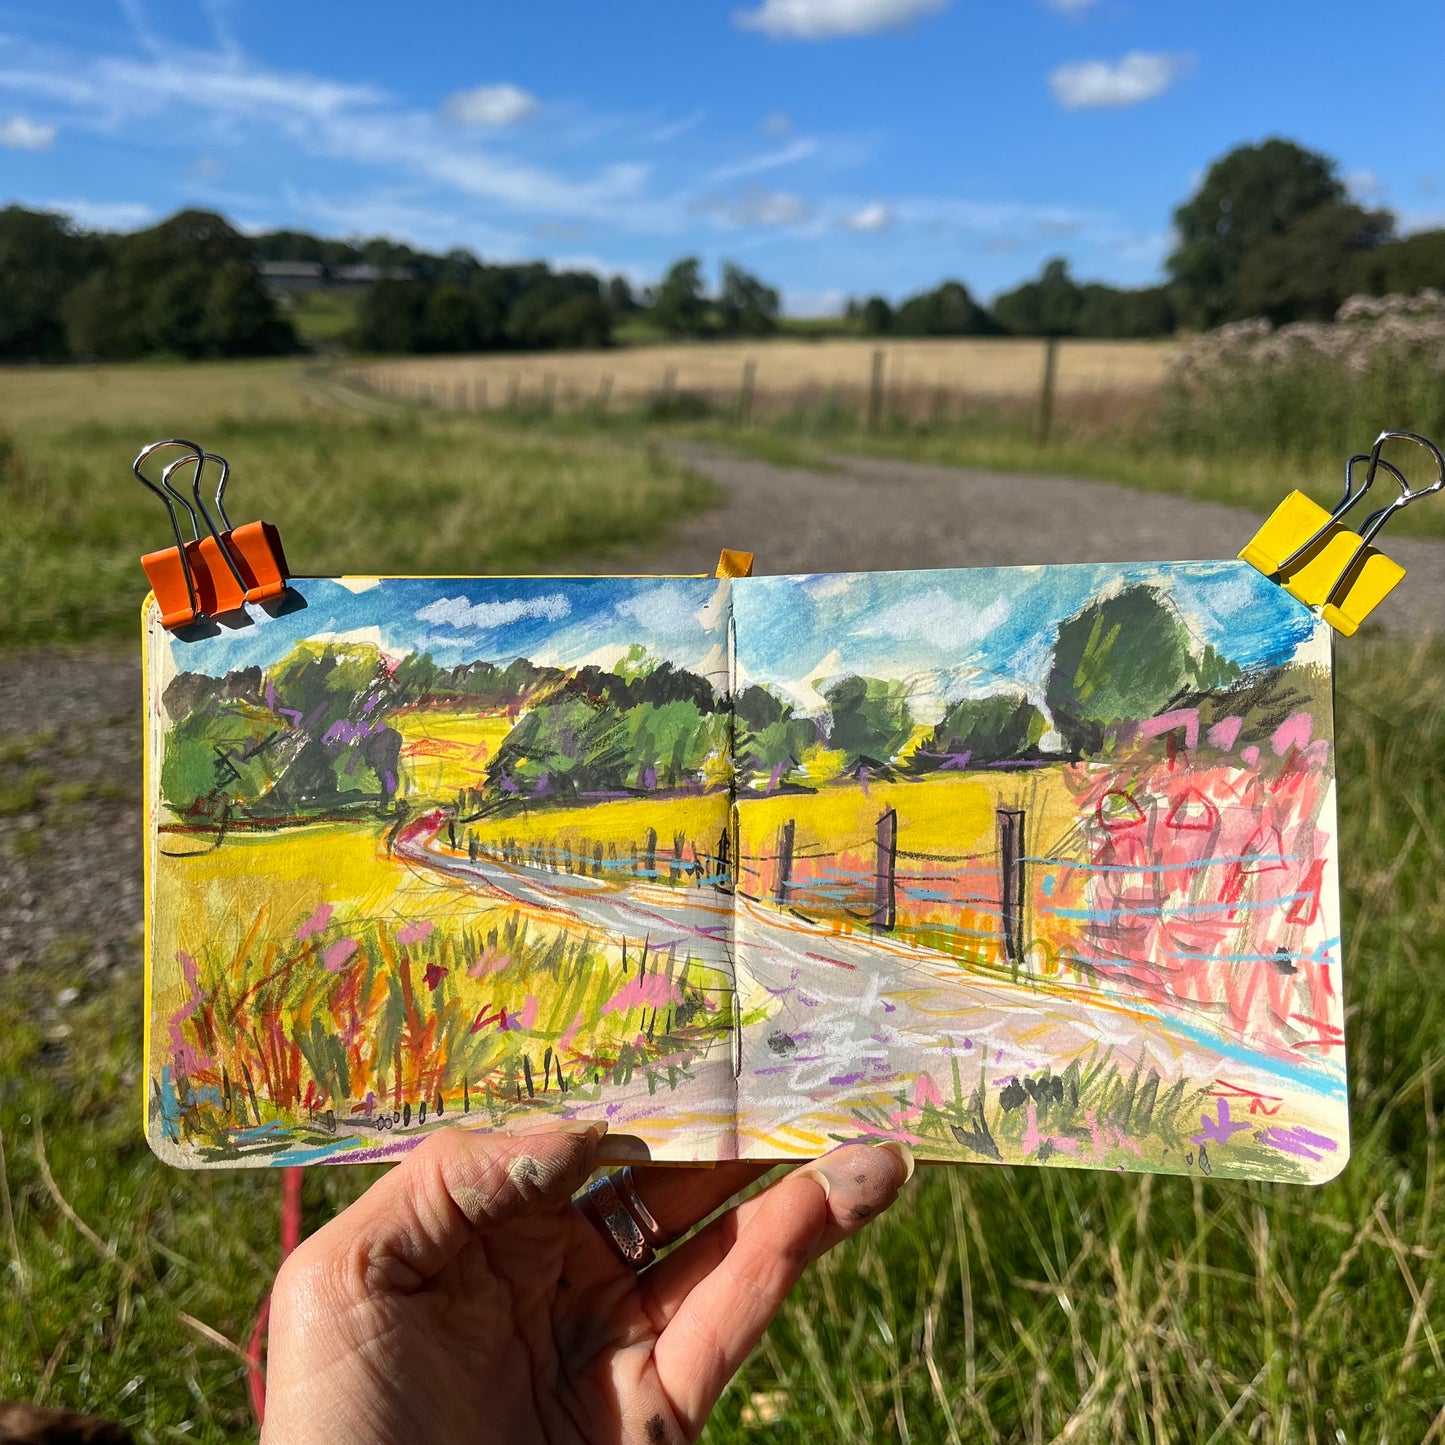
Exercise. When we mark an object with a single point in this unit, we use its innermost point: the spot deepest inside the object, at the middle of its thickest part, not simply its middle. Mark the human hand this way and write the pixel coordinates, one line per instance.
(465, 1297)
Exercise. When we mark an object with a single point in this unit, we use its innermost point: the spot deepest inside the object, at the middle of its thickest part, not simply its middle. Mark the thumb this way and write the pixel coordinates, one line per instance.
(415, 1219)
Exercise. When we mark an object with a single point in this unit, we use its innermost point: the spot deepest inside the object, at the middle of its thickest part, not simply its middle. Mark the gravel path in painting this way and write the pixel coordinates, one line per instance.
(851, 1021)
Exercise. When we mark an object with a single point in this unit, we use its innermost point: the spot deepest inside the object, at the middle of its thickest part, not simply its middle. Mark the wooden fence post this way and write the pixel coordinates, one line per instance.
(885, 888)
(745, 392)
(785, 863)
(604, 394)
(875, 391)
(1046, 388)
(1011, 882)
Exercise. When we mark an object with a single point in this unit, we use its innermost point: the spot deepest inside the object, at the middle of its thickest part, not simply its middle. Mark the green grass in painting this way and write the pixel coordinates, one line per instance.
(399, 491)
(990, 1304)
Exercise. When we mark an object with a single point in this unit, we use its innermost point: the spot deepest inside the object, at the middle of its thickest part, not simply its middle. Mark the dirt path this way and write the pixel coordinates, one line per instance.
(874, 513)
(70, 726)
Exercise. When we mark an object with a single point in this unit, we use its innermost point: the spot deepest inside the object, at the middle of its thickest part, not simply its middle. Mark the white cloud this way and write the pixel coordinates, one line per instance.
(674, 128)
(1095, 84)
(492, 105)
(19, 134)
(790, 154)
(103, 215)
(205, 168)
(459, 612)
(828, 19)
(875, 216)
(757, 207)
(778, 123)
(1365, 188)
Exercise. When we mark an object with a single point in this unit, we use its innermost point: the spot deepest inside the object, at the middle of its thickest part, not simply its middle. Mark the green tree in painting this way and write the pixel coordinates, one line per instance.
(871, 720)
(769, 740)
(997, 729)
(1119, 659)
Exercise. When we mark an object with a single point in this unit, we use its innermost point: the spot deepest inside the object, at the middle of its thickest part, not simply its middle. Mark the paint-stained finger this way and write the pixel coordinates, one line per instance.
(416, 1218)
(722, 1315)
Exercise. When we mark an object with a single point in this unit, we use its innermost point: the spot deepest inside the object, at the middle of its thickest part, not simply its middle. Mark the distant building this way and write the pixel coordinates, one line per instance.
(280, 277)
(283, 278)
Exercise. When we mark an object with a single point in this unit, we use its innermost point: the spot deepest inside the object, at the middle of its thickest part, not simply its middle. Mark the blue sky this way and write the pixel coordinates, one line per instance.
(836, 147)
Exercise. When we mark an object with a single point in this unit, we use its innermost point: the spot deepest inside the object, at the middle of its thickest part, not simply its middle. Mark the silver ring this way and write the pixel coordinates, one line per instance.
(613, 1205)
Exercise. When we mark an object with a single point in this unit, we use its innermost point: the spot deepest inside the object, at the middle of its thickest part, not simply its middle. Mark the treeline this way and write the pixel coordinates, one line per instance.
(1271, 231)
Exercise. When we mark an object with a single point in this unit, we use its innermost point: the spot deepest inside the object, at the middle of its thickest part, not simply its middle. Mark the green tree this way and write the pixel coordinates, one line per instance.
(678, 305)
(1305, 272)
(995, 729)
(1402, 267)
(1121, 659)
(1105, 311)
(870, 720)
(876, 316)
(1247, 196)
(746, 307)
(188, 286)
(947, 311)
(42, 258)
(392, 316)
(1049, 306)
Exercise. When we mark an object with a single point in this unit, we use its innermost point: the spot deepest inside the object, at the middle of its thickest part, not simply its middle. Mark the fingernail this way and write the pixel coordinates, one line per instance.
(902, 1153)
(815, 1172)
(591, 1128)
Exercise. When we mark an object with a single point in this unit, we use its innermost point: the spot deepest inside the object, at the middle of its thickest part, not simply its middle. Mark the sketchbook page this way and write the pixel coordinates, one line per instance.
(1037, 865)
(431, 852)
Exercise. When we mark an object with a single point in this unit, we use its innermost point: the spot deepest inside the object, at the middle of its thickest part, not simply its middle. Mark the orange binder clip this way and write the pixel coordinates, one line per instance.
(254, 546)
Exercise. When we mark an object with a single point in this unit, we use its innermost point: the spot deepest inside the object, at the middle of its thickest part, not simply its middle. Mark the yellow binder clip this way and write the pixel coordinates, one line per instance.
(1317, 559)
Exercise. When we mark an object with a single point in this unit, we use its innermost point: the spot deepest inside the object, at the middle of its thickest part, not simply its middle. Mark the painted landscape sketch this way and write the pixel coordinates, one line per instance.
(1030, 865)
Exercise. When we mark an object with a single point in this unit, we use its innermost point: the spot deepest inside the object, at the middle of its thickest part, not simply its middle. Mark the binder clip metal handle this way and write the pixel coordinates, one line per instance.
(170, 570)
(254, 546)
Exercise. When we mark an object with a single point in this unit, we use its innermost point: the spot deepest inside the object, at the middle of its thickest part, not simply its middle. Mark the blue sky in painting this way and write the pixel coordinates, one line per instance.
(947, 632)
(955, 633)
(560, 621)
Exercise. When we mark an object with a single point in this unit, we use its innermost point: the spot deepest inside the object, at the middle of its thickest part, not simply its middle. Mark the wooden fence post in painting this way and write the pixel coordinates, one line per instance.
(785, 863)
(885, 894)
(1046, 388)
(1011, 882)
(745, 392)
(723, 861)
(650, 857)
(875, 391)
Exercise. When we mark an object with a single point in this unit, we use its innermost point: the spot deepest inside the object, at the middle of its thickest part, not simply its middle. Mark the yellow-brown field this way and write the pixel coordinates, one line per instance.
(992, 367)
(444, 751)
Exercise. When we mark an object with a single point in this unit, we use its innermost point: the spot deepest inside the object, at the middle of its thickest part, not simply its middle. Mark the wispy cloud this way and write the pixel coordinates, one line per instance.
(778, 123)
(672, 129)
(20, 134)
(831, 19)
(1105, 84)
(799, 150)
(875, 216)
(756, 206)
(103, 215)
(492, 105)
(1070, 7)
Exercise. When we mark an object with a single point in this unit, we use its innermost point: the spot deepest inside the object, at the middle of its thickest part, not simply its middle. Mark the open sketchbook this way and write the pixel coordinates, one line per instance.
(1031, 865)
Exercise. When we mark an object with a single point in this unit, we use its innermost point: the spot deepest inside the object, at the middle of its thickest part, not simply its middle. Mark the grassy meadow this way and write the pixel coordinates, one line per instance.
(991, 1303)
(354, 490)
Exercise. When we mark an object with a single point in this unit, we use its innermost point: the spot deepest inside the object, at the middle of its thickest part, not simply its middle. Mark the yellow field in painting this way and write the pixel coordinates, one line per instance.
(287, 875)
(946, 813)
(444, 751)
(993, 366)
(700, 818)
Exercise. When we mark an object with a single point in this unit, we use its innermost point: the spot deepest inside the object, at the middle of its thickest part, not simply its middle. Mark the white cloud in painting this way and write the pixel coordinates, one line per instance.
(876, 216)
(1106, 84)
(462, 612)
(492, 105)
(669, 613)
(830, 19)
(938, 619)
(20, 134)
